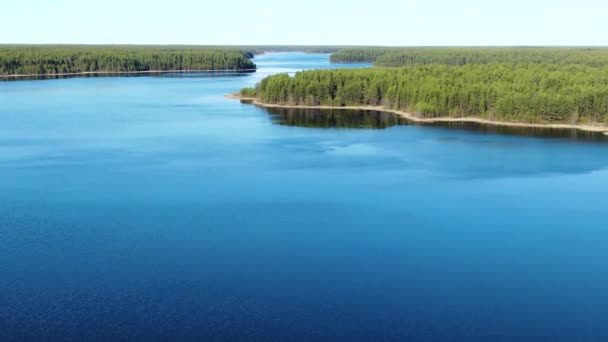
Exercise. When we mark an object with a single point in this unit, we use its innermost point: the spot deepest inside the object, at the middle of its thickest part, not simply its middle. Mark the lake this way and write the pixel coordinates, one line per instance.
(153, 208)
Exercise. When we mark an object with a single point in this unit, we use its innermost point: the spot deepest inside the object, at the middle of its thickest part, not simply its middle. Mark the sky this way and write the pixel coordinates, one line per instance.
(310, 22)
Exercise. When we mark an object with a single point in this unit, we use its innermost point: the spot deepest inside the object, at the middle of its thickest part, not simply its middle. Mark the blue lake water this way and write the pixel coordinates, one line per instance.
(153, 208)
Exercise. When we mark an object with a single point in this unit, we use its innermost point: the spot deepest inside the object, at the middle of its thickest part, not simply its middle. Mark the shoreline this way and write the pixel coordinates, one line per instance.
(412, 117)
(122, 72)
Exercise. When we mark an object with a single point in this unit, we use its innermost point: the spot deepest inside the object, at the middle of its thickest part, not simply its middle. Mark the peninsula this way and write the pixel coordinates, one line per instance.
(602, 128)
(499, 86)
(24, 61)
(58, 60)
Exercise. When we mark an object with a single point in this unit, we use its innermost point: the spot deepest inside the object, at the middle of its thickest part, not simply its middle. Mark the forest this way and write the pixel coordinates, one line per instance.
(260, 49)
(64, 59)
(524, 92)
(59, 59)
(396, 57)
(361, 54)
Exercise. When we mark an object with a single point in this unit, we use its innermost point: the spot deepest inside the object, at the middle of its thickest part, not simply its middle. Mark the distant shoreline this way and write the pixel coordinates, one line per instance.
(599, 128)
(122, 72)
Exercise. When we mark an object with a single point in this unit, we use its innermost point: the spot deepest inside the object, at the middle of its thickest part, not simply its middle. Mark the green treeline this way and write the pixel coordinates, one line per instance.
(527, 92)
(47, 59)
(62, 59)
(259, 49)
(356, 55)
(396, 57)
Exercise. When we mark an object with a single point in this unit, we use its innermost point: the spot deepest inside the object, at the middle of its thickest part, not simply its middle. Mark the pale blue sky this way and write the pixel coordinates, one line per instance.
(354, 22)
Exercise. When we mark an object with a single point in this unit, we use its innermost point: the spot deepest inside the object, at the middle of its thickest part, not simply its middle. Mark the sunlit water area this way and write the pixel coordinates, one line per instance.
(154, 208)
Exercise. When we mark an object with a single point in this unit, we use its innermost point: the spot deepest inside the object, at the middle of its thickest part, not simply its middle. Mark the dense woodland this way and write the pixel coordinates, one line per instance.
(356, 55)
(42, 60)
(61, 59)
(525, 92)
(259, 49)
(395, 57)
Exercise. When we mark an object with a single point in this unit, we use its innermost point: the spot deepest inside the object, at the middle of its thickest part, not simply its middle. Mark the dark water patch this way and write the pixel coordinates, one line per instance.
(349, 118)
(536, 132)
(334, 118)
